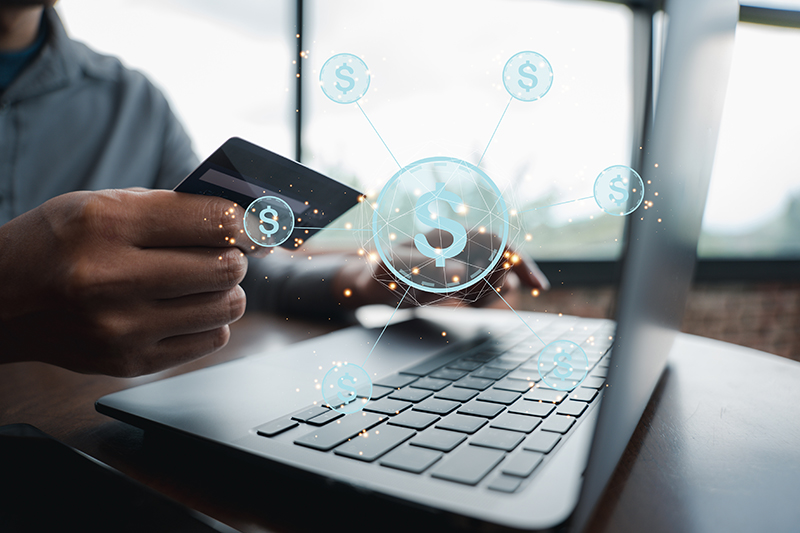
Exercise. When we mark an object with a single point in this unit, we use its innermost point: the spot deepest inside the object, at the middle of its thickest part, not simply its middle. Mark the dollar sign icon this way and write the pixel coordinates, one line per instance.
(563, 367)
(349, 397)
(344, 77)
(528, 75)
(426, 216)
(268, 220)
(616, 185)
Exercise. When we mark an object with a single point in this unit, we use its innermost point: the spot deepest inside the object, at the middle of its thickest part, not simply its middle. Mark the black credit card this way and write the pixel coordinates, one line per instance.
(242, 172)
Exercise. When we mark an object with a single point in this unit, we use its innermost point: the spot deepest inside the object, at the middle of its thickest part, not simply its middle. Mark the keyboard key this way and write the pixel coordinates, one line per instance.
(328, 437)
(514, 385)
(462, 423)
(484, 409)
(414, 420)
(572, 408)
(600, 372)
(378, 392)
(489, 373)
(582, 394)
(465, 365)
(396, 381)
(482, 356)
(522, 464)
(411, 395)
(546, 395)
(309, 413)
(513, 357)
(437, 407)
(505, 483)
(324, 418)
(503, 364)
(558, 424)
(411, 459)
(430, 384)
(429, 365)
(467, 465)
(377, 442)
(525, 375)
(270, 429)
(593, 383)
(387, 406)
(525, 407)
(451, 374)
(474, 383)
(499, 439)
(438, 439)
(456, 394)
(541, 441)
(513, 422)
(499, 396)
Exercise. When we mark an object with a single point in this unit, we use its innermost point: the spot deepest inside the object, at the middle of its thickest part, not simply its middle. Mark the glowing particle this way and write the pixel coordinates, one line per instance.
(535, 293)
(348, 293)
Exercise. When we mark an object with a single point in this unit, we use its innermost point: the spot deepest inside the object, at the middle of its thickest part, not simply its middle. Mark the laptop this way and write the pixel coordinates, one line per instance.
(454, 426)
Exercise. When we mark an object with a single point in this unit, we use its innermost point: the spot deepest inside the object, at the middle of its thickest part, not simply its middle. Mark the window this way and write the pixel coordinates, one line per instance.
(226, 67)
(753, 208)
(436, 89)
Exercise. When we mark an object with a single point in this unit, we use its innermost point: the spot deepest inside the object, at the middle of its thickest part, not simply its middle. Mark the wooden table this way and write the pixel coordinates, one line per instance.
(718, 448)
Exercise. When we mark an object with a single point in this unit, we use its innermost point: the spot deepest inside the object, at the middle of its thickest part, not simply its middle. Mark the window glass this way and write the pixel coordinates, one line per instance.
(753, 205)
(436, 89)
(225, 66)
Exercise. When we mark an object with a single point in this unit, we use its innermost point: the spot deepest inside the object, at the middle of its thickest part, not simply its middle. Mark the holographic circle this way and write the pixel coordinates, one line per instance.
(527, 76)
(346, 388)
(619, 190)
(344, 78)
(440, 225)
(563, 365)
(268, 221)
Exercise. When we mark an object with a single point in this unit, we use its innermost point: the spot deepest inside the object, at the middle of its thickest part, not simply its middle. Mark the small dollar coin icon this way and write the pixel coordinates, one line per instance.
(440, 225)
(527, 71)
(346, 383)
(618, 190)
(269, 217)
(268, 221)
(346, 388)
(344, 78)
(527, 76)
(342, 73)
(563, 365)
(617, 187)
(427, 215)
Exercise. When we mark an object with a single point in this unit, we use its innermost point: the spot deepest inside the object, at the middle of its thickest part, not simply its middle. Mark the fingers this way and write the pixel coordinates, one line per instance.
(182, 349)
(170, 219)
(529, 273)
(197, 313)
(164, 273)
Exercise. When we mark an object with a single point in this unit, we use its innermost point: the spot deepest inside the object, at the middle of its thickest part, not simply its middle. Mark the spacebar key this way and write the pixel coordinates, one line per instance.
(328, 437)
(468, 465)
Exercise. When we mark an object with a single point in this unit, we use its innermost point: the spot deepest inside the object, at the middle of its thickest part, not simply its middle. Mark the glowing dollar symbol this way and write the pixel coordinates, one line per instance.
(428, 217)
(346, 398)
(344, 77)
(615, 186)
(273, 223)
(563, 367)
(528, 75)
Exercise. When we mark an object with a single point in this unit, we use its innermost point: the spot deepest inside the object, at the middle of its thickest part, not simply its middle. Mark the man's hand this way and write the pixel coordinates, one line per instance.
(368, 282)
(121, 282)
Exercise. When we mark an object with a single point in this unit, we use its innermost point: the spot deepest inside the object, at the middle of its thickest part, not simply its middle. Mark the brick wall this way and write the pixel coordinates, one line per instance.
(764, 316)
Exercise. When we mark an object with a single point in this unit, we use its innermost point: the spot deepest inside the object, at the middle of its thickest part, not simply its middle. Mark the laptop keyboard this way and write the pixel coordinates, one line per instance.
(463, 415)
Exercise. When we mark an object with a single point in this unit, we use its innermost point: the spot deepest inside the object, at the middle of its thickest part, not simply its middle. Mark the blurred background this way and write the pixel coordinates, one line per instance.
(250, 68)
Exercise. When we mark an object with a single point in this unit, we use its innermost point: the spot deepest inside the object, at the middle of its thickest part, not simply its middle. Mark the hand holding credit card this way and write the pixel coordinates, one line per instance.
(299, 200)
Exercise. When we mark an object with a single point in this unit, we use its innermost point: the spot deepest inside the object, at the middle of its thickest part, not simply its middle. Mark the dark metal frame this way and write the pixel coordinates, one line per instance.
(574, 273)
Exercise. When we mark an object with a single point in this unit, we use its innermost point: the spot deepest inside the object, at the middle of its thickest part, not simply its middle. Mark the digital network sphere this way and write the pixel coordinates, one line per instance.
(440, 225)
